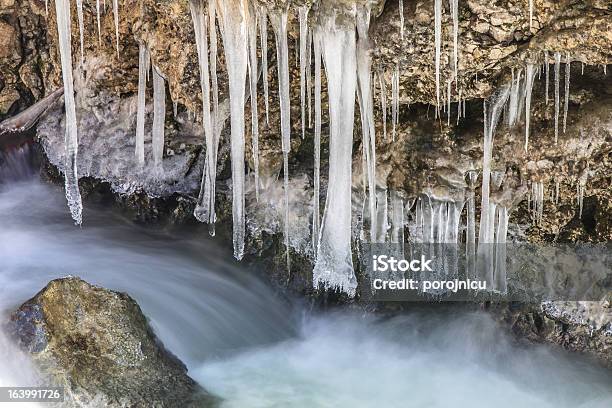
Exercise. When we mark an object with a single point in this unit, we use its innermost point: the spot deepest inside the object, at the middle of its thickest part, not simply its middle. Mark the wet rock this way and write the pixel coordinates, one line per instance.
(98, 345)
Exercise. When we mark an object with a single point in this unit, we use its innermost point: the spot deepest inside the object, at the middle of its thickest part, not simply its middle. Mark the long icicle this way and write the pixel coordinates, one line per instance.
(159, 118)
(455, 16)
(438, 46)
(557, 74)
(73, 196)
(263, 38)
(79, 4)
(253, 75)
(547, 69)
(395, 99)
(383, 102)
(279, 23)
(98, 19)
(143, 68)
(116, 18)
(334, 265)
(200, 22)
(233, 18)
(401, 13)
(317, 140)
(529, 78)
(366, 99)
(568, 68)
(303, 17)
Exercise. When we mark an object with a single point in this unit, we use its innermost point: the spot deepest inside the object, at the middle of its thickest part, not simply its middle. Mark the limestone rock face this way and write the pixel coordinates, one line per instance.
(98, 345)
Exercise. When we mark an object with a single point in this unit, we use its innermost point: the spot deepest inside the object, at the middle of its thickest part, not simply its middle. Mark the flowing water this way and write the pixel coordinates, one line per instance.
(246, 345)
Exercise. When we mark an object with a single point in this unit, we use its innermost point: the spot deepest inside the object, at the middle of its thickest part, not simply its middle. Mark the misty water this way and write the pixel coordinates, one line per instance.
(254, 349)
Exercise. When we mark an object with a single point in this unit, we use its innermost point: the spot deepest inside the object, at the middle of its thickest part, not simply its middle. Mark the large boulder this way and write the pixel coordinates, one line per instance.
(99, 346)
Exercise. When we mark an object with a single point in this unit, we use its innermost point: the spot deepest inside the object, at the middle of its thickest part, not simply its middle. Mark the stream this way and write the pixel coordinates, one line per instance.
(246, 345)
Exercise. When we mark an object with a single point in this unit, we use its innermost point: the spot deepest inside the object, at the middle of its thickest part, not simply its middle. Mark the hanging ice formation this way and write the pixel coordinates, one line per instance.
(253, 76)
(568, 68)
(580, 189)
(486, 234)
(204, 205)
(233, 18)
(279, 23)
(79, 4)
(334, 264)
(366, 105)
(395, 99)
(159, 117)
(547, 69)
(401, 13)
(263, 38)
(470, 245)
(557, 73)
(73, 196)
(98, 19)
(537, 192)
(116, 18)
(529, 78)
(514, 98)
(303, 17)
(381, 216)
(397, 218)
(143, 69)
(454, 5)
(383, 102)
(438, 46)
(316, 38)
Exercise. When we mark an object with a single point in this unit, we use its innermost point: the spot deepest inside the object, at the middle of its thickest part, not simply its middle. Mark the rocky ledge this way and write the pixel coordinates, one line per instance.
(98, 345)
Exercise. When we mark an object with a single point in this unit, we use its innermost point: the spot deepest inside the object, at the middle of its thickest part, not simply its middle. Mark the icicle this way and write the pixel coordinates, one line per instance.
(395, 99)
(530, 14)
(581, 187)
(459, 107)
(557, 192)
(366, 104)
(557, 73)
(568, 68)
(448, 96)
(334, 264)
(605, 69)
(514, 99)
(79, 4)
(174, 109)
(204, 210)
(47, 7)
(73, 196)
(159, 116)
(263, 38)
(470, 248)
(454, 4)
(309, 77)
(143, 68)
(492, 111)
(529, 77)
(383, 102)
(212, 56)
(303, 17)
(233, 18)
(581, 67)
(98, 19)
(547, 66)
(382, 216)
(317, 139)
(397, 218)
(401, 13)
(279, 23)
(438, 45)
(116, 17)
(253, 75)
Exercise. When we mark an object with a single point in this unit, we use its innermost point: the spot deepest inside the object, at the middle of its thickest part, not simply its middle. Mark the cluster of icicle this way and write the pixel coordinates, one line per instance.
(339, 40)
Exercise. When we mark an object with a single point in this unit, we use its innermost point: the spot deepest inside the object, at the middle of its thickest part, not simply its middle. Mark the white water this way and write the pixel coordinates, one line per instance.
(245, 346)
(73, 196)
